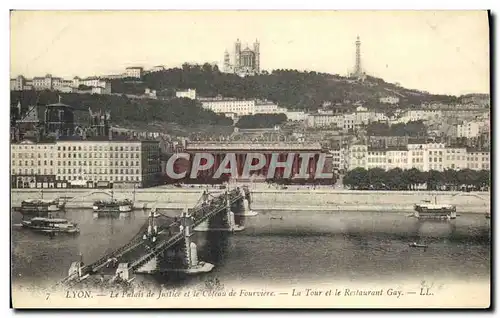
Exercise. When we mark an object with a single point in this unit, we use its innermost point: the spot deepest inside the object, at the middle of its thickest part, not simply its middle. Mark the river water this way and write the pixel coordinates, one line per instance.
(301, 247)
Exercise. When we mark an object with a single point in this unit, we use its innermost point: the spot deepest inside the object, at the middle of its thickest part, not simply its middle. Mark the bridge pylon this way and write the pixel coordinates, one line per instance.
(243, 206)
(192, 263)
(151, 236)
(231, 222)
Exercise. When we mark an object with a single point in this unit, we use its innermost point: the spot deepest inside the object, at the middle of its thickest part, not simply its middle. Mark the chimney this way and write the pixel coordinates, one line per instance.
(110, 135)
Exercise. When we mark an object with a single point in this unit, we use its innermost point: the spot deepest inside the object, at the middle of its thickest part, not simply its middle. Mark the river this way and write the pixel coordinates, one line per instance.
(302, 247)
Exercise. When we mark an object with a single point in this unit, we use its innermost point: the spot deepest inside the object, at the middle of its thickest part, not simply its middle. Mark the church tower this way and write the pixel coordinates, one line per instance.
(227, 63)
(256, 48)
(237, 52)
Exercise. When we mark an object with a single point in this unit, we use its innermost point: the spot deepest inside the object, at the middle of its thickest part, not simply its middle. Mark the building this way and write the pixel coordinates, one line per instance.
(378, 117)
(418, 156)
(338, 163)
(150, 93)
(389, 100)
(362, 116)
(59, 119)
(134, 71)
(240, 107)
(456, 159)
(436, 155)
(50, 82)
(246, 62)
(157, 68)
(376, 158)
(357, 157)
(468, 129)
(33, 165)
(18, 84)
(419, 114)
(67, 163)
(268, 107)
(101, 90)
(242, 149)
(296, 115)
(349, 122)
(189, 93)
(325, 120)
(478, 160)
(397, 157)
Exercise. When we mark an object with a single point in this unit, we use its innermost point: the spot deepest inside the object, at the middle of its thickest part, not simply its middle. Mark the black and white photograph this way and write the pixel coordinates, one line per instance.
(250, 159)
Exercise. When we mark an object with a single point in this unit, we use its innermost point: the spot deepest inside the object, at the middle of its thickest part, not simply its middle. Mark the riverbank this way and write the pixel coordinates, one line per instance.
(323, 199)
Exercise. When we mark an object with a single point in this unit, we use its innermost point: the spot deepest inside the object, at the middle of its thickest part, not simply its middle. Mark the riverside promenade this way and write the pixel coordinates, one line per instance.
(321, 198)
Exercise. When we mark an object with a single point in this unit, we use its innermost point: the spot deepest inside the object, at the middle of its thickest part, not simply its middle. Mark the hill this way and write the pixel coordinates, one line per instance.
(289, 88)
(183, 111)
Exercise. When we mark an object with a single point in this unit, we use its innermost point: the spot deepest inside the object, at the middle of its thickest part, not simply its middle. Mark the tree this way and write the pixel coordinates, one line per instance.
(395, 179)
(484, 178)
(450, 178)
(467, 177)
(377, 178)
(261, 121)
(434, 180)
(357, 179)
(412, 177)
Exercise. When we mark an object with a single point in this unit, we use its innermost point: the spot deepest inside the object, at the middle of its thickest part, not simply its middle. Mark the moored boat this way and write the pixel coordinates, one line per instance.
(429, 210)
(51, 226)
(111, 206)
(39, 205)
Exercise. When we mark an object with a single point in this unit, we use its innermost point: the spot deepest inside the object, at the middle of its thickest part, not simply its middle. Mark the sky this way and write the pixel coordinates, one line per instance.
(442, 52)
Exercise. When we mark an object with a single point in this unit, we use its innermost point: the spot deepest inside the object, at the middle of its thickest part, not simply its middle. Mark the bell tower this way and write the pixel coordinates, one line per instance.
(237, 52)
(256, 49)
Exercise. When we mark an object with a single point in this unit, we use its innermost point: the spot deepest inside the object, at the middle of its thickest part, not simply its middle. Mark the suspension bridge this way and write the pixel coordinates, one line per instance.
(161, 233)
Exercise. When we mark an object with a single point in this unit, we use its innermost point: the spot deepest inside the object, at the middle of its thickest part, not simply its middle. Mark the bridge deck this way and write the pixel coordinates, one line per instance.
(139, 251)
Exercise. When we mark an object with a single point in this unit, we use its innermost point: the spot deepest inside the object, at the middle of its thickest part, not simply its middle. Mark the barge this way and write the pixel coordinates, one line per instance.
(51, 226)
(113, 206)
(35, 206)
(429, 210)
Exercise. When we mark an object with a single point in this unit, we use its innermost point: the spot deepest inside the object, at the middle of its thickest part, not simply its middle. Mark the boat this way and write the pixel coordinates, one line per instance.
(51, 226)
(276, 218)
(111, 206)
(434, 210)
(39, 205)
(415, 244)
(487, 215)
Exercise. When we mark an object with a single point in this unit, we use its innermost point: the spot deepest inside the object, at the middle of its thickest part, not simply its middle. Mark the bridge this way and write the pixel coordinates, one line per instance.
(162, 234)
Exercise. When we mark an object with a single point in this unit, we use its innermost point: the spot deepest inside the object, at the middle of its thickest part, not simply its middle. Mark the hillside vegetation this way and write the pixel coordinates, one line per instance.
(288, 88)
(183, 111)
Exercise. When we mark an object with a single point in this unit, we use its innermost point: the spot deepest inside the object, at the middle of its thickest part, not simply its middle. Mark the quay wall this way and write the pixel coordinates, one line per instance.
(272, 199)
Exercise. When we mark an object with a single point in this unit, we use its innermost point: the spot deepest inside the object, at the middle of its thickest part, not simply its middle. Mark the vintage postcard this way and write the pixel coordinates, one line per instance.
(250, 159)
